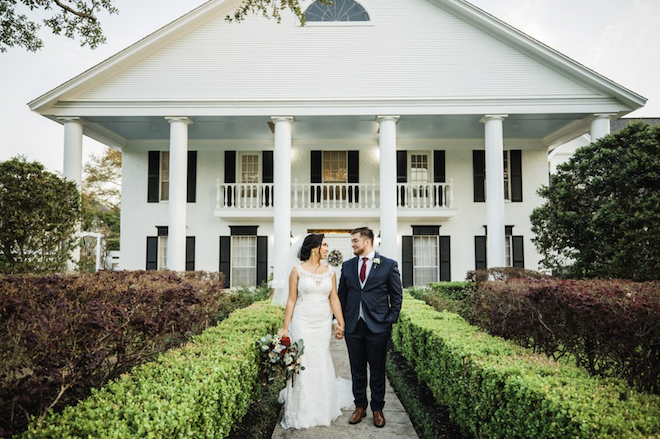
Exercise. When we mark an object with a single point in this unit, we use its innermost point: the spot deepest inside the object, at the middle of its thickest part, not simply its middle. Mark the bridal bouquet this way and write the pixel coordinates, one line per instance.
(279, 353)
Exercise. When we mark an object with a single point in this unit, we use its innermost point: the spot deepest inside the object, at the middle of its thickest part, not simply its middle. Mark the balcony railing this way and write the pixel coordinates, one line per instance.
(323, 196)
(244, 196)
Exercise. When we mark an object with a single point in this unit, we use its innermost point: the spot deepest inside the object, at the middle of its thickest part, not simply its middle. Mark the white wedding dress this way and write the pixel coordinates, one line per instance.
(317, 396)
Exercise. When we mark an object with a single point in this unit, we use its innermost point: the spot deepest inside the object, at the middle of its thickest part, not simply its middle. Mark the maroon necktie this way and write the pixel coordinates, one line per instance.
(363, 270)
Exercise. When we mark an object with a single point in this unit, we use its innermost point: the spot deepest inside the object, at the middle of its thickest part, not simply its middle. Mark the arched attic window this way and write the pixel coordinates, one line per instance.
(339, 10)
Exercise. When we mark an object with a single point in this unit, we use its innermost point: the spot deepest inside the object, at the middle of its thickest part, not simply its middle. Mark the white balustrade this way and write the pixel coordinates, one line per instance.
(424, 195)
(333, 196)
(244, 196)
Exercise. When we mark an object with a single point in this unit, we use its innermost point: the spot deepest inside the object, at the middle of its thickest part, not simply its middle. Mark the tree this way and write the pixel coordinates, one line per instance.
(39, 216)
(270, 9)
(70, 17)
(79, 18)
(602, 214)
(101, 199)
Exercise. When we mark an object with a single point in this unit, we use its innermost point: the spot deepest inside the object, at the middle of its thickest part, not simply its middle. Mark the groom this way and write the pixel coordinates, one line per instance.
(370, 295)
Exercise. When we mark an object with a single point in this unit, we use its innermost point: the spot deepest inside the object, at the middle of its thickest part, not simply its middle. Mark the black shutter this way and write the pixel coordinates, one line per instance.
(439, 175)
(518, 251)
(445, 258)
(353, 166)
(479, 174)
(230, 167)
(353, 176)
(515, 161)
(267, 176)
(407, 261)
(190, 253)
(316, 170)
(192, 177)
(267, 167)
(262, 259)
(225, 258)
(480, 252)
(401, 176)
(153, 177)
(230, 176)
(402, 166)
(152, 253)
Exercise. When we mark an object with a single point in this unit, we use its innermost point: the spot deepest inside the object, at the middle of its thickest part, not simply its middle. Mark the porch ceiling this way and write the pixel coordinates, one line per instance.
(524, 126)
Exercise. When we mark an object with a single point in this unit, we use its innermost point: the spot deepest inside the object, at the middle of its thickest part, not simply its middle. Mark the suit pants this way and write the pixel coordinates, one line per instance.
(366, 348)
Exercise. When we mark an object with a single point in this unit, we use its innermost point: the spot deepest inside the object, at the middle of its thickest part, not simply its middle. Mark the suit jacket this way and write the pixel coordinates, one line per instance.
(381, 296)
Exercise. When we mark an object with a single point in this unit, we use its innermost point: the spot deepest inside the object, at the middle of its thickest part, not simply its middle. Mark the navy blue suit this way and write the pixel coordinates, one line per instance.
(367, 338)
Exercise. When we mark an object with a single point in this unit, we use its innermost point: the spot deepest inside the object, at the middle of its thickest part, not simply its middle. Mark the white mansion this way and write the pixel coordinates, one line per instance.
(428, 120)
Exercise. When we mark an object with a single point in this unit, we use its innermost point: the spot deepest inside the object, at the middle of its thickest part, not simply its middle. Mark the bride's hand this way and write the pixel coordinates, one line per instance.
(283, 332)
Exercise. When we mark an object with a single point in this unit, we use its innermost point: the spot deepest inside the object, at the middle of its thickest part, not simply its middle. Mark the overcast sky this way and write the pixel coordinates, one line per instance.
(617, 38)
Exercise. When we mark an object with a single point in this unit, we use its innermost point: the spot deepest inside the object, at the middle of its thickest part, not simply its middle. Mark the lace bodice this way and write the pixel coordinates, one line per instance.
(312, 284)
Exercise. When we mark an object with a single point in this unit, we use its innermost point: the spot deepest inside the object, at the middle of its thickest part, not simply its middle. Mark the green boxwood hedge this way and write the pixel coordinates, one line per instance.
(199, 390)
(496, 389)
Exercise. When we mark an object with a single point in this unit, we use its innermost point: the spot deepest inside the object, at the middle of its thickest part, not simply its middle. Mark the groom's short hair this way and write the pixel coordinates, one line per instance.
(365, 232)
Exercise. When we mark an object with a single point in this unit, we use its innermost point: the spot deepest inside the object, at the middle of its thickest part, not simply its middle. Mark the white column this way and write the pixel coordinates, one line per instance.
(282, 194)
(600, 126)
(72, 165)
(495, 189)
(176, 239)
(73, 132)
(388, 212)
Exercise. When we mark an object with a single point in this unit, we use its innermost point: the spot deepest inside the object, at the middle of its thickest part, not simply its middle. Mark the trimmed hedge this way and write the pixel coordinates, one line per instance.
(61, 335)
(496, 389)
(608, 327)
(199, 390)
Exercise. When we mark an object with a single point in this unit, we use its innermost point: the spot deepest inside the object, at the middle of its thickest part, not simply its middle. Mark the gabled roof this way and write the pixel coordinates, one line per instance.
(213, 9)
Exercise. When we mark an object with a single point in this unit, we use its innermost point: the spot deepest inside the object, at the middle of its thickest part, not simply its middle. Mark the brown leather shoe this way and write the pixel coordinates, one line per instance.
(357, 415)
(379, 419)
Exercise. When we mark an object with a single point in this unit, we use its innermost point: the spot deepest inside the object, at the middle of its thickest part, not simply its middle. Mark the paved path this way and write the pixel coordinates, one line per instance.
(397, 425)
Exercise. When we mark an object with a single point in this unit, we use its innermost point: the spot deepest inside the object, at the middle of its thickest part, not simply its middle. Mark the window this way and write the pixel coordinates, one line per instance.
(243, 261)
(425, 259)
(335, 167)
(512, 175)
(419, 168)
(507, 179)
(335, 170)
(339, 10)
(249, 168)
(507, 251)
(164, 175)
(162, 252)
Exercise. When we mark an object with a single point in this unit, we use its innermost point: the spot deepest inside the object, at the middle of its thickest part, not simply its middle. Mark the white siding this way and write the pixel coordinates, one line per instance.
(411, 49)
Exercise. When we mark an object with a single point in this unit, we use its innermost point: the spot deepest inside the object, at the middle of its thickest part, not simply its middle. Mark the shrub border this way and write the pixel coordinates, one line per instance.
(496, 389)
(199, 390)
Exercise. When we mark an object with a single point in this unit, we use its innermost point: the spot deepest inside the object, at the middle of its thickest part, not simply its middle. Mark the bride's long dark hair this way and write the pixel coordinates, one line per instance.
(311, 242)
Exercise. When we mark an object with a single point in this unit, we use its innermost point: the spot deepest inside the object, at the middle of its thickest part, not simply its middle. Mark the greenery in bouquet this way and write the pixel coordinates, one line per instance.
(335, 258)
(278, 353)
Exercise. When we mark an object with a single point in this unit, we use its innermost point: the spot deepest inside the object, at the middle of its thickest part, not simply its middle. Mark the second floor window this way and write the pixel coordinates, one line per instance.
(250, 168)
(507, 176)
(419, 168)
(335, 167)
(164, 175)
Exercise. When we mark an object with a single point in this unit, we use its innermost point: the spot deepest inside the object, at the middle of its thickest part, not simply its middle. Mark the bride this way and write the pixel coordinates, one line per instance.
(316, 396)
